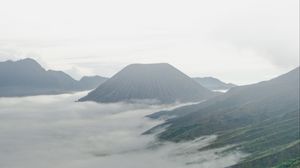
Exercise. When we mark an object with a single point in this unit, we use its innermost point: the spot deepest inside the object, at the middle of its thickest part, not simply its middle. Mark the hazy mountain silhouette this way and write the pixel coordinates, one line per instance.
(27, 77)
(91, 82)
(263, 119)
(213, 83)
(147, 82)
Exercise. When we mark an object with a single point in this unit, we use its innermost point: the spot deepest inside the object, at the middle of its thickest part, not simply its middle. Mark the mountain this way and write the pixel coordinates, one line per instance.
(261, 119)
(213, 83)
(27, 77)
(149, 82)
(90, 82)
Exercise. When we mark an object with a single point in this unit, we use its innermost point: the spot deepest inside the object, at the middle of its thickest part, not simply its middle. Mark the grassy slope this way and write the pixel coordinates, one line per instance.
(270, 142)
(263, 119)
(292, 163)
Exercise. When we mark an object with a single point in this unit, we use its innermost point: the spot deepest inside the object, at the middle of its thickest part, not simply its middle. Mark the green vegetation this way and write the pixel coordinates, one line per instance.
(292, 163)
(270, 142)
(261, 120)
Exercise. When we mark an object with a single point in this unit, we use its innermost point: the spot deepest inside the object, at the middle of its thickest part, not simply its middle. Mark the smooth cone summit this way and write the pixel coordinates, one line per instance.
(161, 83)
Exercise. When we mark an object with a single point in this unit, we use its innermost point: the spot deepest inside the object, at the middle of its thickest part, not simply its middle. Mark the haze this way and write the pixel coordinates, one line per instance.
(55, 131)
(237, 41)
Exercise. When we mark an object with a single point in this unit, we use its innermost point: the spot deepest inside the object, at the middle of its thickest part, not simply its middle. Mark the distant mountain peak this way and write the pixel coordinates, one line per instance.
(23, 61)
(28, 60)
(213, 84)
(160, 81)
(149, 64)
(27, 77)
(92, 77)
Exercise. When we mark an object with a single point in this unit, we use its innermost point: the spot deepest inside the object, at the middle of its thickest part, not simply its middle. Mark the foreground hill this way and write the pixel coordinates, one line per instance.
(149, 82)
(213, 83)
(261, 119)
(26, 77)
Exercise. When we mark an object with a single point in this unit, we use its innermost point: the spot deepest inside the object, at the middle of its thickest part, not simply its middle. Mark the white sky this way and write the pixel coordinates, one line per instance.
(240, 41)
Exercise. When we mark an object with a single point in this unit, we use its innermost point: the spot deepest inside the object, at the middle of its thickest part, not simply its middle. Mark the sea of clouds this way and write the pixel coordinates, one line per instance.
(56, 131)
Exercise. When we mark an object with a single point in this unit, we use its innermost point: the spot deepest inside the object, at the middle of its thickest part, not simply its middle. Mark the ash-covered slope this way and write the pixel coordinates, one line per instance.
(147, 82)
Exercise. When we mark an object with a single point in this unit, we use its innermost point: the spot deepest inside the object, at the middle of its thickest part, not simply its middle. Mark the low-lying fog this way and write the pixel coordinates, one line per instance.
(55, 131)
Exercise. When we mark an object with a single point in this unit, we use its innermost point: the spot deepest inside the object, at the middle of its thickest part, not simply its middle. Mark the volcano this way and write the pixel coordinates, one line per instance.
(160, 83)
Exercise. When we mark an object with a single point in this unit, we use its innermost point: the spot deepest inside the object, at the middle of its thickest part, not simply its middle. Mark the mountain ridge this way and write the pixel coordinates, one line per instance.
(213, 84)
(27, 77)
(261, 119)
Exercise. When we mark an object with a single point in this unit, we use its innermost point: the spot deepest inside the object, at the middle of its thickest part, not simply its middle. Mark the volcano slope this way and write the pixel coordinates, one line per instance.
(161, 83)
(260, 119)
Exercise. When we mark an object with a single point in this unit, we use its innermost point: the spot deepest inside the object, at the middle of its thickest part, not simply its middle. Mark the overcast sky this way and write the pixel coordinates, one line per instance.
(240, 41)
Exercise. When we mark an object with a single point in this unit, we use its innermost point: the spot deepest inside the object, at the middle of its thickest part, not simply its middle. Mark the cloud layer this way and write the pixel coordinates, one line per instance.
(55, 131)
